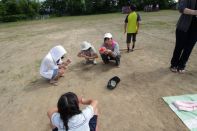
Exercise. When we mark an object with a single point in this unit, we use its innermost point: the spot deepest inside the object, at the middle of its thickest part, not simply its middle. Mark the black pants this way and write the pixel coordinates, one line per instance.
(185, 42)
(106, 59)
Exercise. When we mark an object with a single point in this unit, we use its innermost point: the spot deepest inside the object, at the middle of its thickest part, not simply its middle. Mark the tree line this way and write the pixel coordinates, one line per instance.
(14, 10)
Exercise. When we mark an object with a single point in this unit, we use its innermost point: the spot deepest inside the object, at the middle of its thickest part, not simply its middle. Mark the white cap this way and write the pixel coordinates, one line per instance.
(108, 35)
(85, 45)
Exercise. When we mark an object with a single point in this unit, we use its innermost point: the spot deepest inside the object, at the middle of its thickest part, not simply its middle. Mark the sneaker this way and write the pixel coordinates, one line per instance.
(128, 50)
(173, 69)
(118, 63)
(94, 62)
(181, 71)
(53, 82)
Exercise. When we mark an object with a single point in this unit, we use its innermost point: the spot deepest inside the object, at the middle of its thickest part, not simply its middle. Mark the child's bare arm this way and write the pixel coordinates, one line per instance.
(125, 27)
(91, 102)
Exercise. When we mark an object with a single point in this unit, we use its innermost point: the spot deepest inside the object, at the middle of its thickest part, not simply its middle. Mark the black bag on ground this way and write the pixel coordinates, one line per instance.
(112, 83)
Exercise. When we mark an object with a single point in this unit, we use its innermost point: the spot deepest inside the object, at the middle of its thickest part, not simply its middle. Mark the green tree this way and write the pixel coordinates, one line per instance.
(2, 9)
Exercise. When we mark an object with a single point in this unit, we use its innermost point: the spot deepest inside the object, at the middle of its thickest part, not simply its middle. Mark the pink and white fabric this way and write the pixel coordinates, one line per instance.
(185, 105)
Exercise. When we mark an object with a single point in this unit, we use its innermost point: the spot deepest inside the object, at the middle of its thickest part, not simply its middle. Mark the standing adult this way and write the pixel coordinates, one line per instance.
(186, 35)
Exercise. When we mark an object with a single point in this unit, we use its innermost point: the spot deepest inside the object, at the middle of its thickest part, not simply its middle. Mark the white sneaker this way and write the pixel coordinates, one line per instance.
(94, 62)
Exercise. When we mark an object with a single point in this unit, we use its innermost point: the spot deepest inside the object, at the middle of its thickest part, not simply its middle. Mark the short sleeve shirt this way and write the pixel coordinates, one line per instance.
(138, 18)
(131, 21)
(78, 122)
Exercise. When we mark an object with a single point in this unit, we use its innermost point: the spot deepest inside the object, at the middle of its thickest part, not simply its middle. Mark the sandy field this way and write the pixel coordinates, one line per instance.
(135, 105)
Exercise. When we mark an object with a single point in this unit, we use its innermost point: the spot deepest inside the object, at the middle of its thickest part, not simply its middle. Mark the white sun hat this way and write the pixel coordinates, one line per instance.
(108, 35)
(85, 45)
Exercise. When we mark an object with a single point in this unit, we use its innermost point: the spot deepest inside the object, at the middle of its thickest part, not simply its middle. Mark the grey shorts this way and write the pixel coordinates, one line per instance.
(55, 73)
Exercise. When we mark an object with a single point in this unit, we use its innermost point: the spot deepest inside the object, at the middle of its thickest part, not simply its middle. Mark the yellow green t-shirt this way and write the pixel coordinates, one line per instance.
(131, 21)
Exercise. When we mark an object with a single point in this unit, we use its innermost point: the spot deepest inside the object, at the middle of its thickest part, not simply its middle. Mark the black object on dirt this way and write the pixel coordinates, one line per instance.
(112, 83)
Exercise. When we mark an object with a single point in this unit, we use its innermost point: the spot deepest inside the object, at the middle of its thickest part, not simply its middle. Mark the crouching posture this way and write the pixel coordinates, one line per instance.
(88, 52)
(53, 67)
(67, 116)
(110, 50)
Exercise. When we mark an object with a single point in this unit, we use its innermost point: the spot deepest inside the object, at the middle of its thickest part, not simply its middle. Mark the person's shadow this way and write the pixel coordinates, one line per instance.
(100, 67)
(37, 84)
(78, 68)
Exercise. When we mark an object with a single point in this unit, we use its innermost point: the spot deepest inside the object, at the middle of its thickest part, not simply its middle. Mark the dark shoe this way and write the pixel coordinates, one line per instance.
(118, 61)
(128, 50)
(106, 62)
(55, 129)
(173, 69)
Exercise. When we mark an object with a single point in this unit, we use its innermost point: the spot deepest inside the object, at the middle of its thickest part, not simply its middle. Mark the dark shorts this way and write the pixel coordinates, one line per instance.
(131, 35)
(93, 123)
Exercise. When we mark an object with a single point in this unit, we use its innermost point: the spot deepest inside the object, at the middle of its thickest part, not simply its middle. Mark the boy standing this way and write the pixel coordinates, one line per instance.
(131, 27)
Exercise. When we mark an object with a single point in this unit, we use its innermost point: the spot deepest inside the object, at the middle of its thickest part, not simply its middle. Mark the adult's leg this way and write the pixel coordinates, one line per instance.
(181, 39)
(192, 39)
(105, 58)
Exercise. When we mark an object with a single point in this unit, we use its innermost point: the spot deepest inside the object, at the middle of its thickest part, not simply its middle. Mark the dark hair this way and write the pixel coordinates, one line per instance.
(133, 7)
(107, 39)
(68, 106)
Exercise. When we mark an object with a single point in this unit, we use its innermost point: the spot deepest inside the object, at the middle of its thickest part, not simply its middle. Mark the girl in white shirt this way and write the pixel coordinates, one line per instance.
(67, 116)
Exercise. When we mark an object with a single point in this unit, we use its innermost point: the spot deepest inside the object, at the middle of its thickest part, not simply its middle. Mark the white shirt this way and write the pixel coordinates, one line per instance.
(49, 63)
(78, 122)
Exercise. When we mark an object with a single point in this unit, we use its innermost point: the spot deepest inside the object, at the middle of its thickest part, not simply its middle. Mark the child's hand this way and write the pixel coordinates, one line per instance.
(102, 50)
(68, 61)
(108, 52)
(83, 55)
(80, 99)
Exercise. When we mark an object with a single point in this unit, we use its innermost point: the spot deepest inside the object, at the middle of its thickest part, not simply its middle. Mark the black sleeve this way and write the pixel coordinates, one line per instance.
(182, 5)
(126, 20)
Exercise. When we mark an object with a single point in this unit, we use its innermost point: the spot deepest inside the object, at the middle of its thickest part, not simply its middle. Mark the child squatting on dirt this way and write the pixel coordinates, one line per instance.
(53, 67)
(67, 116)
(110, 50)
(88, 52)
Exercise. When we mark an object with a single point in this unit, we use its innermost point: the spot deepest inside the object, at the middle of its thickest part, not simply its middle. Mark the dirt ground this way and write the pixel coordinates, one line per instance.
(135, 105)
